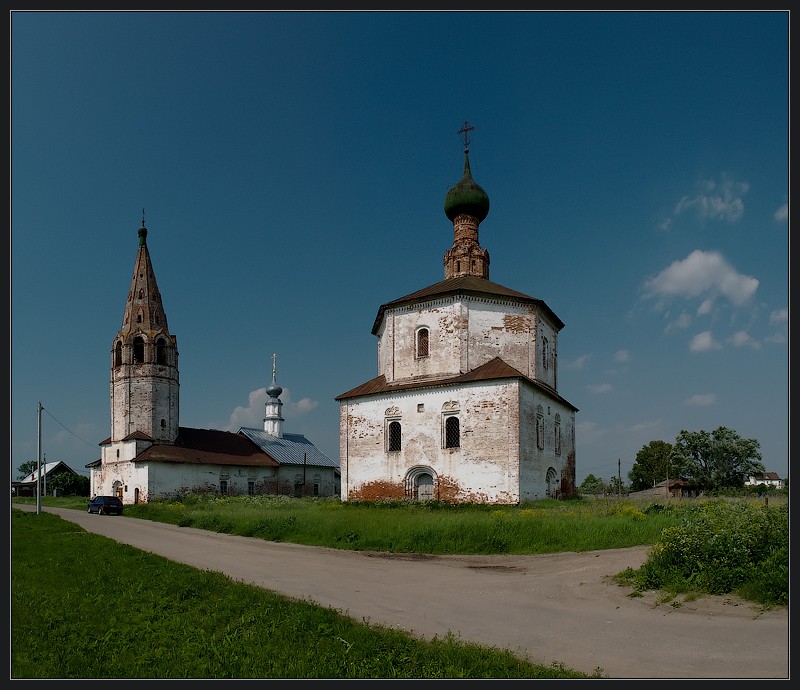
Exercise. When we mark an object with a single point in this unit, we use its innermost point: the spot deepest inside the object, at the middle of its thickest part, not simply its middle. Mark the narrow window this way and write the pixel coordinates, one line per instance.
(138, 350)
(452, 432)
(422, 342)
(316, 489)
(545, 352)
(251, 487)
(223, 487)
(394, 436)
(118, 354)
(161, 353)
(539, 428)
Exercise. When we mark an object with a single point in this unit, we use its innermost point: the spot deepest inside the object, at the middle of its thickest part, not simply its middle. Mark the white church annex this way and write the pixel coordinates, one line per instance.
(150, 456)
(465, 407)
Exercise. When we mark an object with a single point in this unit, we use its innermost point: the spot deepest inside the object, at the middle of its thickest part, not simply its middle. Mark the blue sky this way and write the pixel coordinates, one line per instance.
(292, 168)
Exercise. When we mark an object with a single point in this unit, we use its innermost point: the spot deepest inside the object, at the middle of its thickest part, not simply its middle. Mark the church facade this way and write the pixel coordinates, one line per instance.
(465, 406)
(150, 456)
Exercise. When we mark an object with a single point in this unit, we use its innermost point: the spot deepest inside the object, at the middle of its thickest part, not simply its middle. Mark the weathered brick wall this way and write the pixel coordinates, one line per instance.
(484, 468)
(465, 332)
(535, 462)
(141, 396)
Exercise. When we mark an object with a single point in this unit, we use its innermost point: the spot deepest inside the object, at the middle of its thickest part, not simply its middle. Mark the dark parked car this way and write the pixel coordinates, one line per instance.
(105, 505)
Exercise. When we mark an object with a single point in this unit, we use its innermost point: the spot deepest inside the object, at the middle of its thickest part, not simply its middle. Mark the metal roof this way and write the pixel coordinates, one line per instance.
(494, 369)
(207, 447)
(289, 449)
(46, 469)
(465, 285)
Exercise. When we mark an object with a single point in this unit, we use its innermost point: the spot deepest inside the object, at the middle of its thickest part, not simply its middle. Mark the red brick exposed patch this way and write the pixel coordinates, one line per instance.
(375, 491)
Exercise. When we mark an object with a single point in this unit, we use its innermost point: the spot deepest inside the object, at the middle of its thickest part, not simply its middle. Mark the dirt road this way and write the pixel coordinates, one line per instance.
(560, 607)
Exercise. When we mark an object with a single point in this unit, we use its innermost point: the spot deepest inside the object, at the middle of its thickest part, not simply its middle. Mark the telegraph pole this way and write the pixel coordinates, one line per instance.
(39, 461)
(619, 478)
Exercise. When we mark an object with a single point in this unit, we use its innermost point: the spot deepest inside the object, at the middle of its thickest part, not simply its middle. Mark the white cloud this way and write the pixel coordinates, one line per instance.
(717, 200)
(578, 363)
(305, 404)
(681, 323)
(702, 273)
(705, 307)
(701, 400)
(622, 356)
(600, 388)
(703, 342)
(744, 339)
(252, 415)
(779, 316)
(782, 213)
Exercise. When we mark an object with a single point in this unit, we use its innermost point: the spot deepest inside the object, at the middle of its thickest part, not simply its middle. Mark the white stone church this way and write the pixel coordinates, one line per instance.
(150, 456)
(465, 406)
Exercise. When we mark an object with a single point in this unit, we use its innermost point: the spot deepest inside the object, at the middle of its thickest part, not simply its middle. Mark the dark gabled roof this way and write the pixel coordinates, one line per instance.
(465, 285)
(133, 436)
(765, 475)
(208, 447)
(494, 369)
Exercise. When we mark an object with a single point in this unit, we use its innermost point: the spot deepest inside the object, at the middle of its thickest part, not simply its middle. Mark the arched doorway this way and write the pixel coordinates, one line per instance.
(552, 483)
(421, 484)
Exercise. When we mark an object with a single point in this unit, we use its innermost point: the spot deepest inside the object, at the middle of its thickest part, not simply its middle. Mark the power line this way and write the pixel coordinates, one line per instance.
(91, 445)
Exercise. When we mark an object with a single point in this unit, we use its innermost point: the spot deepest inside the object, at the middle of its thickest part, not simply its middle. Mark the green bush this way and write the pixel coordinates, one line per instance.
(721, 547)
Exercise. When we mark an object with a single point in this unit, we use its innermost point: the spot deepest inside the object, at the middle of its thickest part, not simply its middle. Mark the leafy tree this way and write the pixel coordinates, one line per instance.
(68, 484)
(720, 458)
(592, 485)
(616, 486)
(652, 465)
(26, 468)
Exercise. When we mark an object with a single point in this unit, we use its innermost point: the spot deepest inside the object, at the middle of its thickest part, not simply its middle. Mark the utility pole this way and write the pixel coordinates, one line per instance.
(619, 478)
(39, 461)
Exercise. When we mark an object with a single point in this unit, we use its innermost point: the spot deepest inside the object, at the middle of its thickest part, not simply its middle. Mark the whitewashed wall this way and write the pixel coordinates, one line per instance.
(484, 468)
(464, 333)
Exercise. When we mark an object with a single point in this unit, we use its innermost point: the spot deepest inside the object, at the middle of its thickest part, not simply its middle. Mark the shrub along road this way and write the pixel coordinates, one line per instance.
(558, 607)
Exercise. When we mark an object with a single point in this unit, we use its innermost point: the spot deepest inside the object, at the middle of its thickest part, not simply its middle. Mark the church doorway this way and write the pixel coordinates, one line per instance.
(421, 484)
(424, 487)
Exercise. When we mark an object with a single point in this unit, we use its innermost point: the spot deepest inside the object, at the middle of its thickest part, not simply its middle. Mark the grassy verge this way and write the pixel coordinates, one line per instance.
(412, 527)
(84, 606)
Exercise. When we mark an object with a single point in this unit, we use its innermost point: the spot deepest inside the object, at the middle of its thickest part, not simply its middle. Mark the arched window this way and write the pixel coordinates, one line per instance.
(422, 342)
(394, 437)
(452, 432)
(138, 350)
(118, 354)
(161, 352)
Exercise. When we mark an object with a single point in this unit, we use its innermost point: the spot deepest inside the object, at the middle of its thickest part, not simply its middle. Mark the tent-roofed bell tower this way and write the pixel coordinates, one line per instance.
(144, 361)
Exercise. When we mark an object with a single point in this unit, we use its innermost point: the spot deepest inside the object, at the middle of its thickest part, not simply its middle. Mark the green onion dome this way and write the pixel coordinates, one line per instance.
(466, 197)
